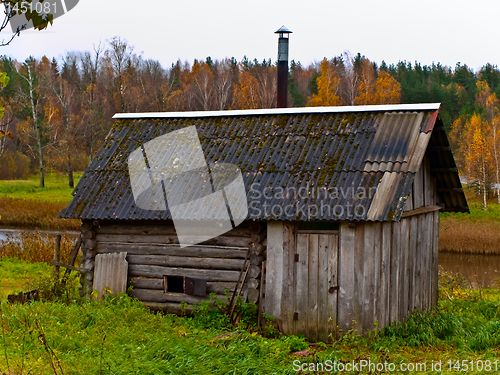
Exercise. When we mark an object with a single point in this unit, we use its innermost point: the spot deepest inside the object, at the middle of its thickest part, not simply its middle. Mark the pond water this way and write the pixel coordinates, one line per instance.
(482, 271)
(6, 233)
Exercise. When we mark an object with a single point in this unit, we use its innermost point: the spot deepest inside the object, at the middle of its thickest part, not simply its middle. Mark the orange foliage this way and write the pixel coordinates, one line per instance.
(328, 87)
(387, 89)
(246, 92)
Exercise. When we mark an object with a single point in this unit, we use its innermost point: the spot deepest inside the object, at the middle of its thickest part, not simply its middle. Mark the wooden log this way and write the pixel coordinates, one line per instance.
(67, 266)
(167, 229)
(253, 272)
(73, 255)
(256, 260)
(169, 308)
(221, 288)
(152, 295)
(89, 254)
(189, 262)
(253, 295)
(86, 225)
(256, 248)
(88, 264)
(252, 283)
(159, 271)
(90, 244)
(174, 250)
(256, 238)
(89, 235)
(157, 283)
(57, 255)
(164, 230)
(254, 227)
(149, 239)
(145, 282)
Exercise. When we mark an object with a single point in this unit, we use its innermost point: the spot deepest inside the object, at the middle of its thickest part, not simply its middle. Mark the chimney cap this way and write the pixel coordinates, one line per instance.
(283, 30)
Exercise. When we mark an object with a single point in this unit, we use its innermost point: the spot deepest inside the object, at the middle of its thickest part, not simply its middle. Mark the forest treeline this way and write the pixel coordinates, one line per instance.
(58, 111)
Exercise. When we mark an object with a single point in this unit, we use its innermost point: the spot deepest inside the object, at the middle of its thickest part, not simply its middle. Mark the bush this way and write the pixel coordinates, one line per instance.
(14, 165)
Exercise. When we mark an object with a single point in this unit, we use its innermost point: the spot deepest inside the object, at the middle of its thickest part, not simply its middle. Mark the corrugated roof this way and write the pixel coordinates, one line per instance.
(292, 161)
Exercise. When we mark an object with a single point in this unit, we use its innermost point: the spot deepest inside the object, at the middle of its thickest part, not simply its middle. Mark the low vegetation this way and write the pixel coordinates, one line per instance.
(56, 188)
(477, 232)
(25, 205)
(33, 246)
(65, 334)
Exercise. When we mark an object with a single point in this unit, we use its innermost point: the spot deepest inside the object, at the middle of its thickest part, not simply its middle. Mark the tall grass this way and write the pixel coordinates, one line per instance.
(118, 335)
(35, 247)
(477, 232)
(24, 213)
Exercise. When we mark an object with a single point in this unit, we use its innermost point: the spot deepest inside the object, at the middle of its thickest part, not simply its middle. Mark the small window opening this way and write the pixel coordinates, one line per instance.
(174, 284)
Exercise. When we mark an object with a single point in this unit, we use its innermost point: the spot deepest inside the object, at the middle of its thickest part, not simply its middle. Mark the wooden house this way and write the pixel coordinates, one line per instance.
(343, 209)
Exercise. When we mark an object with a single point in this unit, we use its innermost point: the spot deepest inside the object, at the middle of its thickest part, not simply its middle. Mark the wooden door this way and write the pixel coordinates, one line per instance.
(316, 287)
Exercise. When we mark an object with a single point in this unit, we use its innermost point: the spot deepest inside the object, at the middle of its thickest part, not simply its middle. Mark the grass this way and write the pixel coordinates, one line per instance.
(119, 336)
(56, 188)
(477, 232)
(24, 204)
(17, 273)
(35, 247)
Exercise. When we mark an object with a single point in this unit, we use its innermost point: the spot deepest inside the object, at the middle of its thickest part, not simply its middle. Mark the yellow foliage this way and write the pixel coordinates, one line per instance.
(246, 92)
(328, 87)
(387, 89)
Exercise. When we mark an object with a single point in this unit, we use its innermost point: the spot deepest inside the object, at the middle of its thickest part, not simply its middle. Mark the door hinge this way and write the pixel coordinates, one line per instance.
(296, 257)
(295, 316)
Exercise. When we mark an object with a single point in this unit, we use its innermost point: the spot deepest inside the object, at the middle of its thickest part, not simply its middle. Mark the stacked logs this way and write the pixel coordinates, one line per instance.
(151, 253)
(257, 249)
(89, 244)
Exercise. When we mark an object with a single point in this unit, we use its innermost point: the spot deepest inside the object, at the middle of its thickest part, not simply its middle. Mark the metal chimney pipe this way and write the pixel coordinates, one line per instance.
(283, 32)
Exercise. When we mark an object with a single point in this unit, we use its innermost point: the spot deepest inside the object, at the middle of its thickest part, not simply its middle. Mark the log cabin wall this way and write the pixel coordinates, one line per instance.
(153, 253)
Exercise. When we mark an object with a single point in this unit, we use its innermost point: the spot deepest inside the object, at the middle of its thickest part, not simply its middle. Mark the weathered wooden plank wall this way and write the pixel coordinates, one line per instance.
(387, 270)
(153, 252)
(423, 190)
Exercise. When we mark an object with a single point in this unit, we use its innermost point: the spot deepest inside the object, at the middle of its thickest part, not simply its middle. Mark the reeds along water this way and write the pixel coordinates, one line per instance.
(32, 246)
(34, 214)
(465, 236)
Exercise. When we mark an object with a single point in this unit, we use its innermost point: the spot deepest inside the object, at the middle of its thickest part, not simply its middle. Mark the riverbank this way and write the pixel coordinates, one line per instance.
(23, 204)
(474, 233)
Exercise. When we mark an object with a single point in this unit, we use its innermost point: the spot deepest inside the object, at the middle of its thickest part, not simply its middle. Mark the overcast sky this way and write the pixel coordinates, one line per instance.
(427, 31)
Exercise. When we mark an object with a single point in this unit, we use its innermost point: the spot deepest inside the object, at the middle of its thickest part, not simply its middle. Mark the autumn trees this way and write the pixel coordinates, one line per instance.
(58, 111)
(348, 80)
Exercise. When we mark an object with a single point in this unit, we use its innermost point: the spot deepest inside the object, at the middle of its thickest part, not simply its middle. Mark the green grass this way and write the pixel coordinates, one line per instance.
(16, 273)
(56, 188)
(119, 336)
